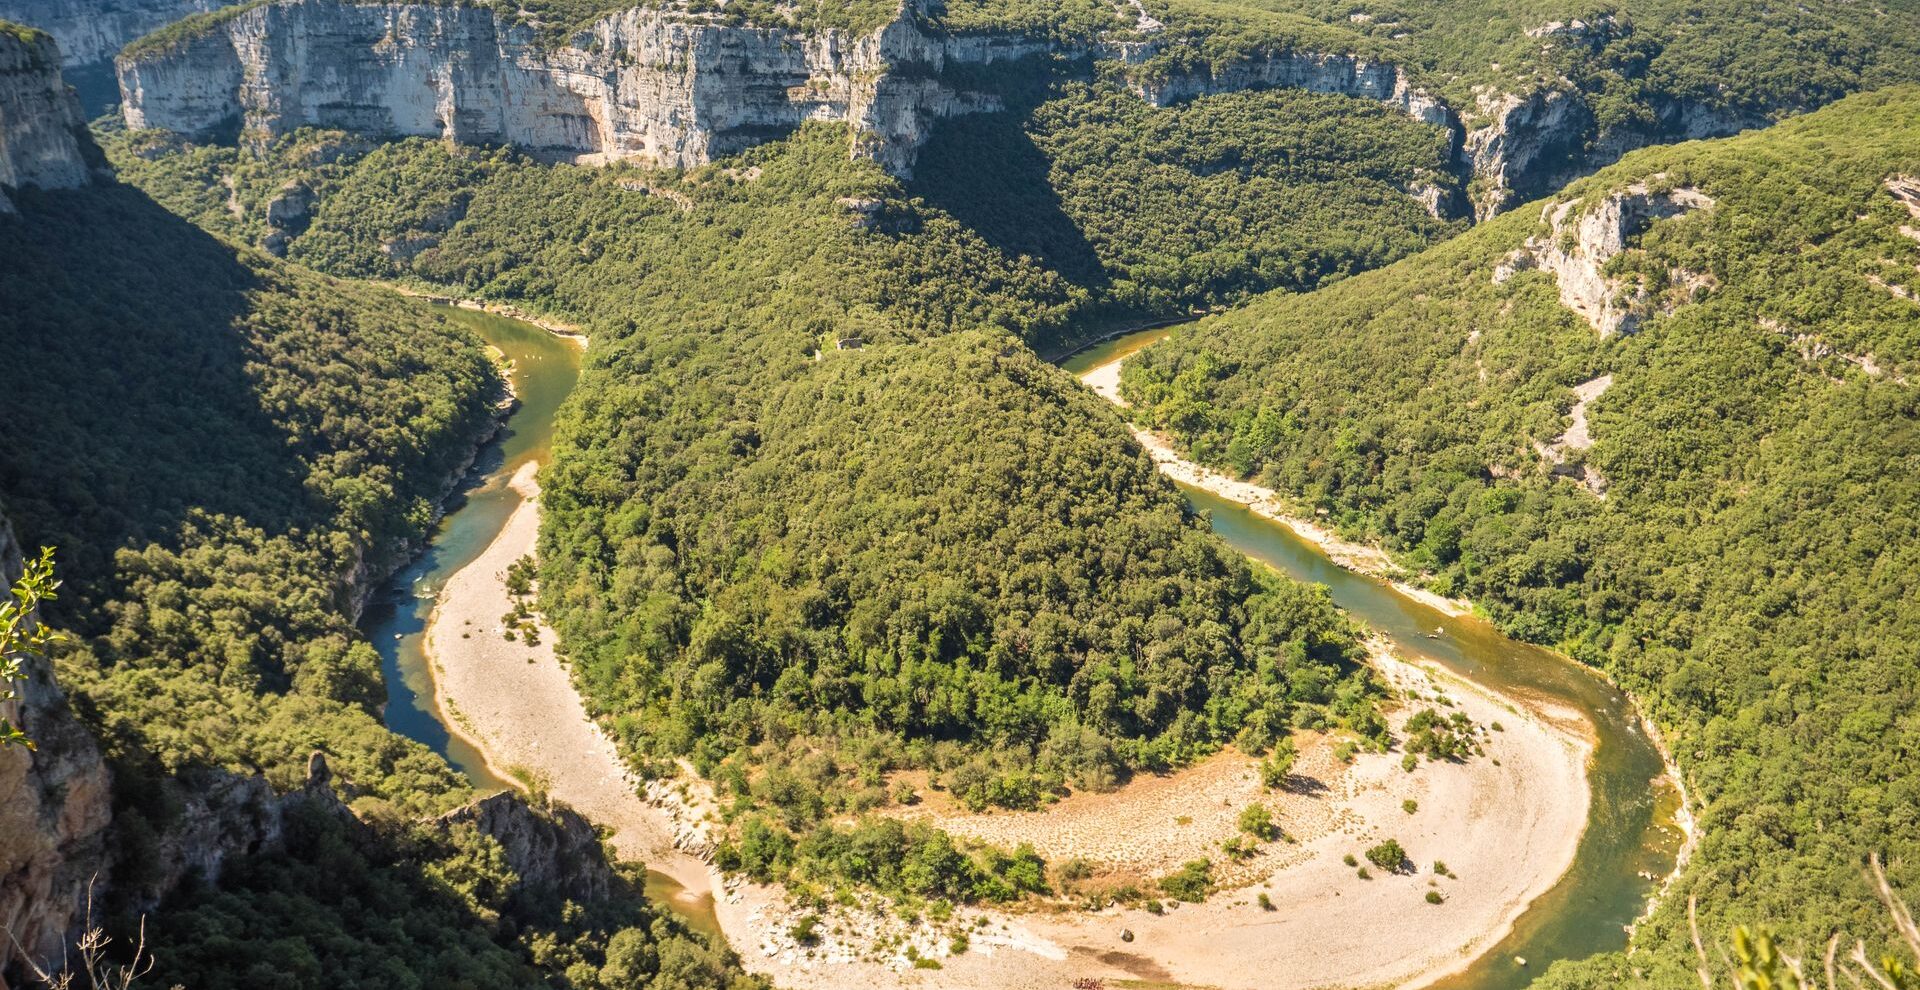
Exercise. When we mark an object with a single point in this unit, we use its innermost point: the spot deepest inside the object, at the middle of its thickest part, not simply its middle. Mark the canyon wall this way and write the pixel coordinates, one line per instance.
(672, 88)
(680, 89)
(43, 139)
(91, 31)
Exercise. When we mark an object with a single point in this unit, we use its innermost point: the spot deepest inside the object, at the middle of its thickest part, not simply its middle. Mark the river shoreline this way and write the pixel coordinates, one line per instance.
(566, 331)
(1374, 561)
(1511, 822)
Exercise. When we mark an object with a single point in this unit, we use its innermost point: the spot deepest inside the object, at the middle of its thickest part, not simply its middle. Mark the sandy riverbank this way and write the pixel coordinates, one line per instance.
(516, 704)
(1507, 831)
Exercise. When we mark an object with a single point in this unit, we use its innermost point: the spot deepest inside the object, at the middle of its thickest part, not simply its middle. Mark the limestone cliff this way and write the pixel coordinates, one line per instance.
(666, 86)
(555, 853)
(55, 807)
(1346, 75)
(91, 31)
(43, 139)
(1527, 146)
(1578, 244)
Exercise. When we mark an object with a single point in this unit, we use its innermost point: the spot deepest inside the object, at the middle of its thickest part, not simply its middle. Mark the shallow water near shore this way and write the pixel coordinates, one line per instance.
(1630, 835)
(545, 368)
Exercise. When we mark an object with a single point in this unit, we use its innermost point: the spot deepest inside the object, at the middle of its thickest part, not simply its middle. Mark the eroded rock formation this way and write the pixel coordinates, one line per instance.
(55, 808)
(43, 138)
(665, 86)
(91, 31)
(555, 853)
(1578, 244)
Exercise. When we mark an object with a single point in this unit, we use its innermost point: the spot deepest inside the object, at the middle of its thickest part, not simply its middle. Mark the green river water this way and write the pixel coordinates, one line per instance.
(1629, 836)
(544, 370)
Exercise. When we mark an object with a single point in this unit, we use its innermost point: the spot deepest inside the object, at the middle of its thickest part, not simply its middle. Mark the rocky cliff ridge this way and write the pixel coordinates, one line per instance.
(89, 32)
(1578, 244)
(43, 138)
(678, 88)
(674, 88)
(55, 807)
(662, 85)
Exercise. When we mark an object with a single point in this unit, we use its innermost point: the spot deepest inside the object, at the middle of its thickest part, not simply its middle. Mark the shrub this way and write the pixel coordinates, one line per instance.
(1278, 766)
(1191, 883)
(1387, 855)
(1257, 821)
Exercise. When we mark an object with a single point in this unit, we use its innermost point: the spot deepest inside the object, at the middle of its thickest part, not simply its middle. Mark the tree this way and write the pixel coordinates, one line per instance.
(1278, 766)
(1257, 821)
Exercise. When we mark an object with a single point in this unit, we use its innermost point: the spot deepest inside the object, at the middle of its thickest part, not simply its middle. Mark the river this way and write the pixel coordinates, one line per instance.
(1630, 836)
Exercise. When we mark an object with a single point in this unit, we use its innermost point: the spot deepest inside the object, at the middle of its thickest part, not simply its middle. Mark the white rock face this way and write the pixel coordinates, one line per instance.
(91, 31)
(1345, 75)
(41, 130)
(669, 88)
(1576, 250)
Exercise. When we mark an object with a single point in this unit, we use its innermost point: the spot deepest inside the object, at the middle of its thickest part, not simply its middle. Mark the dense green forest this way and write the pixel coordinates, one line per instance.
(1751, 569)
(742, 564)
(1625, 57)
(1158, 211)
(227, 452)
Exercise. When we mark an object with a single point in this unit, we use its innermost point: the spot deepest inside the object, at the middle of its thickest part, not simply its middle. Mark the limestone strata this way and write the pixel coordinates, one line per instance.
(1345, 75)
(91, 31)
(1577, 246)
(664, 86)
(43, 138)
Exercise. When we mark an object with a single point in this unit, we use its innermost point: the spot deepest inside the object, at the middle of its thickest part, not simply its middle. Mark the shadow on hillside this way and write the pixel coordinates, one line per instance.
(985, 170)
(126, 388)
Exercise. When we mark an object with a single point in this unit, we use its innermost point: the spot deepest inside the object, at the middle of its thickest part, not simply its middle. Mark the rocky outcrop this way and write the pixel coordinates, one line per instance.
(1564, 454)
(1576, 248)
(91, 31)
(1345, 75)
(555, 853)
(55, 807)
(43, 138)
(665, 86)
(1527, 137)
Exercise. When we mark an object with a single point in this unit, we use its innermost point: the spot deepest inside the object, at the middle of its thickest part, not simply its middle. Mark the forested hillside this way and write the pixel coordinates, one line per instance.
(817, 509)
(227, 452)
(1736, 544)
(1749, 55)
(1158, 211)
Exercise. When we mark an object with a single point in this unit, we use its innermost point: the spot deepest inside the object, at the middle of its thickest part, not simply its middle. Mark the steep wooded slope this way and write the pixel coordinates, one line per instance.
(1719, 509)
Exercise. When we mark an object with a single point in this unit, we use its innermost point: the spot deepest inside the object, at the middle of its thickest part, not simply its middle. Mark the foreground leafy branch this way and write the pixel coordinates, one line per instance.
(1758, 964)
(22, 635)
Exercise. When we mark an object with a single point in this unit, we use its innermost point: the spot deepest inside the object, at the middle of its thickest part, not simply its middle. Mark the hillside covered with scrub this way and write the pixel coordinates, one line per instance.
(806, 562)
(851, 592)
(226, 454)
(1718, 508)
